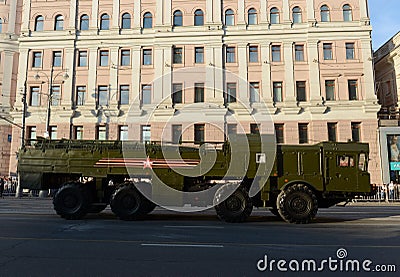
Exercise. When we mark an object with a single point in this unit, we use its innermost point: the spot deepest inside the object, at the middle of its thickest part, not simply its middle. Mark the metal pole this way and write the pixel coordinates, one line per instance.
(49, 99)
(18, 192)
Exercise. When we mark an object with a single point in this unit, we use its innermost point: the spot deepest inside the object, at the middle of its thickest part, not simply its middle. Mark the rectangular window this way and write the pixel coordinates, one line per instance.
(102, 96)
(57, 61)
(350, 51)
(124, 94)
(299, 52)
(80, 95)
(353, 89)
(145, 133)
(254, 92)
(230, 92)
(328, 54)
(125, 57)
(199, 92)
(37, 59)
(78, 132)
(232, 129)
(199, 133)
(332, 133)
(355, 131)
(176, 93)
(253, 54)
(146, 94)
(230, 54)
(31, 133)
(301, 91)
(199, 55)
(277, 92)
(53, 132)
(177, 55)
(254, 128)
(177, 134)
(123, 132)
(101, 132)
(330, 90)
(103, 61)
(147, 57)
(34, 100)
(55, 95)
(279, 133)
(303, 133)
(276, 53)
(82, 58)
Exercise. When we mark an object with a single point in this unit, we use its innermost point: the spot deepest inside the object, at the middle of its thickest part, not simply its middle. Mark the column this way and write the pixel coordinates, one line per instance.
(158, 74)
(113, 97)
(135, 88)
(115, 15)
(137, 16)
(69, 57)
(168, 13)
(217, 11)
(167, 76)
(95, 15)
(314, 79)
(7, 78)
(214, 75)
(26, 16)
(266, 74)
(241, 13)
(209, 12)
(91, 85)
(243, 82)
(368, 70)
(290, 95)
(286, 12)
(12, 17)
(363, 10)
(159, 12)
(22, 76)
(72, 15)
(263, 12)
(310, 11)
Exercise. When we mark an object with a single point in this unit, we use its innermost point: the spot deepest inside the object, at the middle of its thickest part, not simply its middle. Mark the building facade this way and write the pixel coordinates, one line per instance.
(387, 77)
(123, 69)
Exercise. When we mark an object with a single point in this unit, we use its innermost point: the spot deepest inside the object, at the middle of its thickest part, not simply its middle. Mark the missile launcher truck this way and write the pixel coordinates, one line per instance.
(90, 175)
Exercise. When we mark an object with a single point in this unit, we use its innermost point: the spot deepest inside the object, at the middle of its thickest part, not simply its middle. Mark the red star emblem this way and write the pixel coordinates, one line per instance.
(147, 163)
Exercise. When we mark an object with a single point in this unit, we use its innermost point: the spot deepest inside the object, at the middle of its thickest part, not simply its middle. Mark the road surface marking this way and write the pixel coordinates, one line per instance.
(183, 245)
(193, 226)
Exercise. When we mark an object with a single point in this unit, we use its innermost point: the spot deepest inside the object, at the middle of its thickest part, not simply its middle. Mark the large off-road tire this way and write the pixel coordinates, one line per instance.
(72, 201)
(236, 208)
(127, 203)
(297, 204)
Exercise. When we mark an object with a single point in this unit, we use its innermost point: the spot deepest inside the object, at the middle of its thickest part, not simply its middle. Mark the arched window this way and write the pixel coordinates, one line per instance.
(39, 20)
(229, 18)
(84, 22)
(126, 21)
(296, 15)
(148, 20)
(59, 23)
(178, 18)
(104, 22)
(325, 14)
(198, 18)
(1, 25)
(347, 13)
(252, 16)
(274, 16)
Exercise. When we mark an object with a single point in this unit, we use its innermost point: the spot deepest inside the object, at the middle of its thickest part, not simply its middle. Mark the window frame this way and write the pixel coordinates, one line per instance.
(199, 56)
(198, 18)
(147, 56)
(126, 22)
(230, 54)
(252, 16)
(274, 16)
(125, 59)
(105, 22)
(301, 91)
(80, 95)
(124, 91)
(59, 23)
(297, 15)
(253, 54)
(275, 50)
(327, 48)
(147, 20)
(325, 13)
(177, 15)
(57, 59)
(277, 87)
(299, 54)
(39, 23)
(84, 19)
(146, 94)
(229, 17)
(82, 58)
(102, 58)
(303, 133)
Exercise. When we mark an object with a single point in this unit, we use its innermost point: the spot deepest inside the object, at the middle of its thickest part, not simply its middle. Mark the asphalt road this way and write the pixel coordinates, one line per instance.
(34, 241)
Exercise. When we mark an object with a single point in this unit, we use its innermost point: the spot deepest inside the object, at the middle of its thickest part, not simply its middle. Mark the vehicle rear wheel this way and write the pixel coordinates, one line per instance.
(297, 204)
(127, 203)
(71, 201)
(236, 208)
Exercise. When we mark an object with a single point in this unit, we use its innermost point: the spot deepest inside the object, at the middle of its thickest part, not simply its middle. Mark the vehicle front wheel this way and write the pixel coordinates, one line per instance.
(297, 204)
(236, 208)
(71, 201)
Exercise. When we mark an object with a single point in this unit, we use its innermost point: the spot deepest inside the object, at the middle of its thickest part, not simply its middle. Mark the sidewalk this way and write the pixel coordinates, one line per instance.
(371, 204)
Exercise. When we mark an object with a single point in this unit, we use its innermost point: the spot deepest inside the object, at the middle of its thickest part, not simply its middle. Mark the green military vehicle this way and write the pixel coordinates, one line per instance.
(134, 177)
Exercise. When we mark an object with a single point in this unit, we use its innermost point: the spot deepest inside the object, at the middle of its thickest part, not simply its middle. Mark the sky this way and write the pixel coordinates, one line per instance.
(385, 20)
